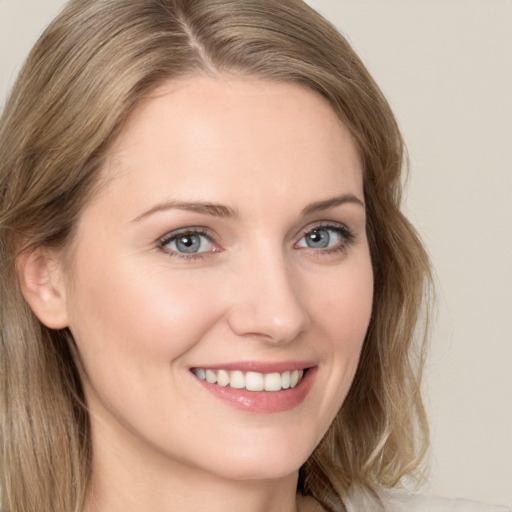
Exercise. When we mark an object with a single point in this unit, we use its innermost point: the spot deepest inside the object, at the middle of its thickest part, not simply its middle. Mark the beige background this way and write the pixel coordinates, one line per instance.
(446, 67)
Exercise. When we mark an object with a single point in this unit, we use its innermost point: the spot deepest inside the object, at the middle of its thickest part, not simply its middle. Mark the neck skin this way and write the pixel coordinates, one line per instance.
(127, 477)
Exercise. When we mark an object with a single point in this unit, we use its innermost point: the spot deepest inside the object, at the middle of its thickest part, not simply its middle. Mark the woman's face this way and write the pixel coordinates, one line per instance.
(228, 244)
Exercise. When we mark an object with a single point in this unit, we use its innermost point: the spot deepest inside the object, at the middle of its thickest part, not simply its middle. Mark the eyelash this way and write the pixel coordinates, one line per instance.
(171, 237)
(347, 238)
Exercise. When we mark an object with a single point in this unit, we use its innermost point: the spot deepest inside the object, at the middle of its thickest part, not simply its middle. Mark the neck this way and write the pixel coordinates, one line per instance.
(142, 478)
(170, 494)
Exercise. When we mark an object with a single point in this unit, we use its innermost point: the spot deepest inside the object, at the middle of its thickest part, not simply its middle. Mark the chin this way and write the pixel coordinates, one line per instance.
(261, 470)
(259, 460)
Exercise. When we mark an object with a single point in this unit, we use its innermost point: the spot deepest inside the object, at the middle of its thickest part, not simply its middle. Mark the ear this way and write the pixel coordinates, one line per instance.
(42, 284)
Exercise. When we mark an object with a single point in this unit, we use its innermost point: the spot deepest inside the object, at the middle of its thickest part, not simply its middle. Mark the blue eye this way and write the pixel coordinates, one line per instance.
(326, 237)
(319, 239)
(189, 242)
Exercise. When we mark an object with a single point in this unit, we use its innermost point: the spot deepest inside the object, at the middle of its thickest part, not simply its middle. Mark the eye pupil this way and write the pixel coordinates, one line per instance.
(318, 239)
(188, 243)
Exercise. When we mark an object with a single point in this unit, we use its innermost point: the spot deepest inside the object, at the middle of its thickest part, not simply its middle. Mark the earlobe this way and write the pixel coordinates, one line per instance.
(42, 285)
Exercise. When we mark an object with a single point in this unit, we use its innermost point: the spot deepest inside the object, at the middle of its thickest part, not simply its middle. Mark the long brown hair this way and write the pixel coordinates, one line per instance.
(89, 69)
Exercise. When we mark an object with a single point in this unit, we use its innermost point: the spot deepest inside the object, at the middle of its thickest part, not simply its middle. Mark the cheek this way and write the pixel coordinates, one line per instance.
(342, 308)
(134, 331)
(353, 315)
(342, 313)
(126, 317)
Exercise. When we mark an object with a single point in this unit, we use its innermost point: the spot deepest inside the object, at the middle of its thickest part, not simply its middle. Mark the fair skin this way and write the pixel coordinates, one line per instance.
(229, 235)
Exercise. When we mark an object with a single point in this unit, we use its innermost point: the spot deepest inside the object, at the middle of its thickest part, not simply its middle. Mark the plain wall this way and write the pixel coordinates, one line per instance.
(446, 68)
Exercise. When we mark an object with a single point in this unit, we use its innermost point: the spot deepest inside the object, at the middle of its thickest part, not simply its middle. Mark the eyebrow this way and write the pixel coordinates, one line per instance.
(332, 203)
(220, 210)
(214, 209)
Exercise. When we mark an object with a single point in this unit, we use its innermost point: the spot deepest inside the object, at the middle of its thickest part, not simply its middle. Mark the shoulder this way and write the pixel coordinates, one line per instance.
(404, 502)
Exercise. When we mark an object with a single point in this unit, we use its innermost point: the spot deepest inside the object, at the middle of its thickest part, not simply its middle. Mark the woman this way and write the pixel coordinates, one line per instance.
(209, 294)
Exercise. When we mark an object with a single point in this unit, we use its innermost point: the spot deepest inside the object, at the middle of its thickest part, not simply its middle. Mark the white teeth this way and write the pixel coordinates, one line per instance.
(273, 382)
(237, 380)
(222, 378)
(211, 376)
(286, 380)
(252, 381)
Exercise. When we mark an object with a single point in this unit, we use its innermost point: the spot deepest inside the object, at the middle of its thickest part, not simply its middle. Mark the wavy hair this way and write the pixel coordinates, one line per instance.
(95, 62)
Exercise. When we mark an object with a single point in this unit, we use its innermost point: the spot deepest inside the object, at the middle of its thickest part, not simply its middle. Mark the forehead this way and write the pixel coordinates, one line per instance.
(244, 134)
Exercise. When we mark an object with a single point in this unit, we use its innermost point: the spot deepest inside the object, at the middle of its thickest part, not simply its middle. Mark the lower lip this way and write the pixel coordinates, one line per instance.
(263, 401)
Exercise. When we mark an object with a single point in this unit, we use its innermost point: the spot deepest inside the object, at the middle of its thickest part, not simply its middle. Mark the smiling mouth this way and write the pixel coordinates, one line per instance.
(251, 381)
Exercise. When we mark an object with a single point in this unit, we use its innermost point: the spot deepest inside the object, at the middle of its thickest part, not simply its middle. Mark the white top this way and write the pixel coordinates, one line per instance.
(420, 503)
(397, 501)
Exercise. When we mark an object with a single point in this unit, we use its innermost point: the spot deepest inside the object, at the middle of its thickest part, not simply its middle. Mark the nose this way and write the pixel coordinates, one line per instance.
(266, 301)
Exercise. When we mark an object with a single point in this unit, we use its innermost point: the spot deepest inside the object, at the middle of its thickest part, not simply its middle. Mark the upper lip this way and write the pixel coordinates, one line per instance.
(259, 366)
